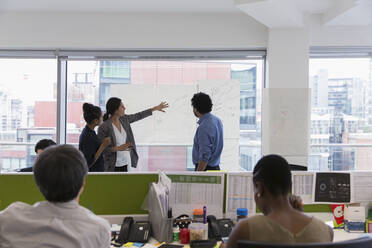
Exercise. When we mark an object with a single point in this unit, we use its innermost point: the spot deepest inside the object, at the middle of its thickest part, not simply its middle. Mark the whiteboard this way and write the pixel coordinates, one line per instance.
(225, 96)
(176, 126)
(285, 121)
(137, 98)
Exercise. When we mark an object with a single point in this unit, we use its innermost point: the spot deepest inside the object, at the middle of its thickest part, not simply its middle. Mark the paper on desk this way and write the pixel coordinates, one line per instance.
(302, 185)
(165, 186)
(161, 197)
(361, 190)
(164, 180)
(147, 245)
(239, 193)
(195, 190)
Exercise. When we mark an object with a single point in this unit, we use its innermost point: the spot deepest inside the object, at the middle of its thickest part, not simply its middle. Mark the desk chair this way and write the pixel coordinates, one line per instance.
(363, 242)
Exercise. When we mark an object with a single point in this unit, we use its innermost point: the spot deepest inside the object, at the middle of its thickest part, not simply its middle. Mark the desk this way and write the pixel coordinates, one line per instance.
(339, 235)
(151, 244)
(342, 235)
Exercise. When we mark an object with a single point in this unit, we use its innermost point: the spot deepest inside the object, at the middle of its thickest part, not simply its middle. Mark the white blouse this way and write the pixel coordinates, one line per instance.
(122, 157)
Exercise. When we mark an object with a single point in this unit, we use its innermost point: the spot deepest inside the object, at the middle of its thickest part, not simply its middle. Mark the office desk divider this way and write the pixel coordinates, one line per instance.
(194, 190)
(124, 193)
(239, 193)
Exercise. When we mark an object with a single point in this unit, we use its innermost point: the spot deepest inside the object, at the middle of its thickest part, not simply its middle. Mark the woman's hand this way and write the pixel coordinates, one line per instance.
(160, 107)
(124, 147)
(296, 202)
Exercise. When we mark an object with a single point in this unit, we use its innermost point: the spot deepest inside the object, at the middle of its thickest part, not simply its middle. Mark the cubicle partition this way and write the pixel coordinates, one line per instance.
(107, 193)
(104, 193)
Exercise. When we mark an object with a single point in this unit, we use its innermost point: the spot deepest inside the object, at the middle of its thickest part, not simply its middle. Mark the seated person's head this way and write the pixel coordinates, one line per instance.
(60, 173)
(43, 144)
(272, 180)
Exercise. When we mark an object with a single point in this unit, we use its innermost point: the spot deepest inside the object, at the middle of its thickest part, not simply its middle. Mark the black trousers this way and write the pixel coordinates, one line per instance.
(209, 167)
(122, 168)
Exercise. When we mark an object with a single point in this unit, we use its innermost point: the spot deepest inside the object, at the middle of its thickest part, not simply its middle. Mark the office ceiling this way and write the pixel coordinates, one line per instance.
(272, 13)
(292, 13)
(120, 5)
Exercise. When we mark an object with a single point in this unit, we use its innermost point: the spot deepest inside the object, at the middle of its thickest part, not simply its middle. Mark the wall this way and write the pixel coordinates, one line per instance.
(98, 30)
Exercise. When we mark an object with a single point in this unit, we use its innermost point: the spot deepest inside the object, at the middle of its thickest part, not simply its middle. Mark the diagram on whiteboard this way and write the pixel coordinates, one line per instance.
(225, 96)
(178, 124)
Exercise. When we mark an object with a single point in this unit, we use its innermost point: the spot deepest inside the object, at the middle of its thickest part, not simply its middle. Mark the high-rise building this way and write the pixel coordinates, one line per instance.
(342, 100)
(250, 149)
(248, 91)
(319, 89)
(82, 88)
(368, 109)
(111, 72)
(11, 111)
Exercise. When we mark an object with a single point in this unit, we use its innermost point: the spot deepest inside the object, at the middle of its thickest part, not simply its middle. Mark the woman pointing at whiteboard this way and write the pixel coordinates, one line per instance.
(121, 153)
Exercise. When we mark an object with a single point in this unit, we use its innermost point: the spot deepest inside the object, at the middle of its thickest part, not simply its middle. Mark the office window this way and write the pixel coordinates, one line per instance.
(93, 81)
(28, 109)
(341, 116)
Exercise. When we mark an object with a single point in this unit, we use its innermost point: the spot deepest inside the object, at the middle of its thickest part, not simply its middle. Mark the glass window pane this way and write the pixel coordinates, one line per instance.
(341, 127)
(6, 164)
(103, 75)
(27, 106)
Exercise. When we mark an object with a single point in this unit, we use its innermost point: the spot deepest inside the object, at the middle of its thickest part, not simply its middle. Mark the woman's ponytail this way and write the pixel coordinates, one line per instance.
(105, 116)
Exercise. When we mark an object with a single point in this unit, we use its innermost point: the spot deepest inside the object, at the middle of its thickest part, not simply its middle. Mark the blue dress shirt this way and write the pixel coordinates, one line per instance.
(208, 140)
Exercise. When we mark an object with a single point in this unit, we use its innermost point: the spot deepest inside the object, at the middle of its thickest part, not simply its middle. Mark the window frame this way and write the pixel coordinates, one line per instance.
(63, 56)
(341, 52)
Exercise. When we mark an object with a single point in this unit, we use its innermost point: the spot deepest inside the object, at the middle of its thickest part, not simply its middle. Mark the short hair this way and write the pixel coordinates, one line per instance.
(59, 172)
(44, 143)
(202, 102)
(274, 172)
(91, 112)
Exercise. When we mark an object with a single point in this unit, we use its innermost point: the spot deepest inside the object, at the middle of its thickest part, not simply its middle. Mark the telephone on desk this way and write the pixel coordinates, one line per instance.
(132, 231)
(218, 229)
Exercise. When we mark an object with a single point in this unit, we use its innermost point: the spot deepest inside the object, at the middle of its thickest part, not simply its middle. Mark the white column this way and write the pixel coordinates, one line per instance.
(286, 101)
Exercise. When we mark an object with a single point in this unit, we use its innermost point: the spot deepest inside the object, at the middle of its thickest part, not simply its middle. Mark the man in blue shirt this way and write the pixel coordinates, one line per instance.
(208, 140)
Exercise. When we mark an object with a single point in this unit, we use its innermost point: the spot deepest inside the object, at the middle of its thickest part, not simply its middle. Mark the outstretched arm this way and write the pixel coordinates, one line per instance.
(141, 115)
(160, 107)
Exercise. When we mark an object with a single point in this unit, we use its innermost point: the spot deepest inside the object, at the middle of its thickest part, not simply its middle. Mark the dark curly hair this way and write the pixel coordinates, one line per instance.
(91, 112)
(202, 102)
